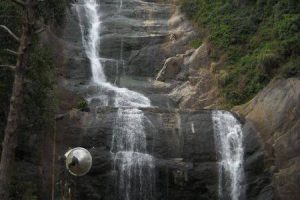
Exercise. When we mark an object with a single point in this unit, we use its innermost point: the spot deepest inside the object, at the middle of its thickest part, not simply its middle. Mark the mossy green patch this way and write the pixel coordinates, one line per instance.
(260, 37)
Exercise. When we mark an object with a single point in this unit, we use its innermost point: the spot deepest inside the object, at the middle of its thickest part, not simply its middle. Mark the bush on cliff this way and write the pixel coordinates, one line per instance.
(260, 37)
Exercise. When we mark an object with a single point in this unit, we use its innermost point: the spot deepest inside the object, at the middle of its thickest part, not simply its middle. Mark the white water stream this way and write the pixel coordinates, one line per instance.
(229, 143)
(134, 167)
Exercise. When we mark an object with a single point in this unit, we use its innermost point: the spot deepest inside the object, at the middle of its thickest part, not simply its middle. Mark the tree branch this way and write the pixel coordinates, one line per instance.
(20, 2)
(40, 30)
(10, 32)
(11, 52)
(9, 66)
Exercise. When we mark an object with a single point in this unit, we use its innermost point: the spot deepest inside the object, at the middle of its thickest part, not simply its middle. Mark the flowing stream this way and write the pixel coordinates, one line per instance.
(134, 167)
(229, 143)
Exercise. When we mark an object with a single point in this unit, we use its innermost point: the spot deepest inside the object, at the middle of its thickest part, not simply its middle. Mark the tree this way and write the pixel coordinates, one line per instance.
(29, 29)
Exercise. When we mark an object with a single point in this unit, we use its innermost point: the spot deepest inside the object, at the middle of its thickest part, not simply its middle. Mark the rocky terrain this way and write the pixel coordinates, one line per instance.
(146, 49)
(274, 114)
(145, 46)
(184, 149)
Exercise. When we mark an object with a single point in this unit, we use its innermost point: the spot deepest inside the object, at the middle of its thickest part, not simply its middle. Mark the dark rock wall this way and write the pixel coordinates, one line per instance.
(185, 159)
(182, 143)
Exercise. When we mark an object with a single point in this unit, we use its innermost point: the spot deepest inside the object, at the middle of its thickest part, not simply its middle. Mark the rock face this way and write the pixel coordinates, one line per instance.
(182, 143)
(275, 115)
(133, 42)
(170, 69)
(195, 83)
(134, 45)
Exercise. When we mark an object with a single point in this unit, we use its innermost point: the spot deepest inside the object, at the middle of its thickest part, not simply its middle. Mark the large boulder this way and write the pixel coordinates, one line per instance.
(275, 114)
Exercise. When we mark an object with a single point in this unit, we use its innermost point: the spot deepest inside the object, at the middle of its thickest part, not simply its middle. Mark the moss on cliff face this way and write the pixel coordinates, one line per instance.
(260, 37)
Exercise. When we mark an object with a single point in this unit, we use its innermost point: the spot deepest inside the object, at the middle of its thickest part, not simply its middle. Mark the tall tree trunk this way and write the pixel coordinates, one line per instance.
(16, 101)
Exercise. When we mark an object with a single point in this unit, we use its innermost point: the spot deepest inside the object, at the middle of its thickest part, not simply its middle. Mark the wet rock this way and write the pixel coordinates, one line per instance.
(182, 144)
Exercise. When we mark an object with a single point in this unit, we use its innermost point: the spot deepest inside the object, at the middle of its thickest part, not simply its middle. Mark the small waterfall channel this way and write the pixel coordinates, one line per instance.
(229, 144)
(134, 167)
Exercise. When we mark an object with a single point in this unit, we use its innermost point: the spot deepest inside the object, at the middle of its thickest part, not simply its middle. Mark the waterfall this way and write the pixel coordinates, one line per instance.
(134, 167)
(229, 144)
(92, 42)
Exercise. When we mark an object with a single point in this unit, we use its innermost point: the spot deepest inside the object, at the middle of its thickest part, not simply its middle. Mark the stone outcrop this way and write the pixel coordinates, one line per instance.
(192, 72)
(275, 115)
(170, 69)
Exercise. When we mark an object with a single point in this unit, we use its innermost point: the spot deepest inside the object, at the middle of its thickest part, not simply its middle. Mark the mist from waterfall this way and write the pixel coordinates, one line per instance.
(134, 167)
(229, 144)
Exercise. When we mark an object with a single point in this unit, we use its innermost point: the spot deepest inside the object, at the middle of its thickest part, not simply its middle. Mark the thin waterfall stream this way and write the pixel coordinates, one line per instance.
(229, 144)
(134, 167)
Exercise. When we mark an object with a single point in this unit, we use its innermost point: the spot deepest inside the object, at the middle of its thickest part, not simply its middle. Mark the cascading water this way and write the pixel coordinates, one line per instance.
(92, 42)
(134, 167)
(229, 144)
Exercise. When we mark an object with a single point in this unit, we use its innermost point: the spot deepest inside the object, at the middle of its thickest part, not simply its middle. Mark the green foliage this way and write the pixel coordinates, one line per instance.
(291, 69)
(261, 39)
(82, 105)
(195, 43)
(6, 79)
(38, 120)
(26, 190)
(10, 16)
(39, 102)
(52, 11)
(39, 106)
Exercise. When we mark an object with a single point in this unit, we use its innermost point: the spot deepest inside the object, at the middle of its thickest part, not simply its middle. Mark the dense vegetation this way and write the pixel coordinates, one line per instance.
(10, 15)
(39, 101)
(260, 38)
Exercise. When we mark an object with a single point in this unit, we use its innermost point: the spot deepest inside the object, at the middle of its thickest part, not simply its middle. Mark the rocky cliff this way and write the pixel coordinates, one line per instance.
(146, 49)
(145, 46)
(182, 143)
(274, 114)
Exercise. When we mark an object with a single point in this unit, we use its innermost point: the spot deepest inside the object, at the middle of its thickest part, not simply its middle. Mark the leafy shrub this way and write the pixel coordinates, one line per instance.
(261, 39)
(291, 69)
(195, 43)
(82, 105)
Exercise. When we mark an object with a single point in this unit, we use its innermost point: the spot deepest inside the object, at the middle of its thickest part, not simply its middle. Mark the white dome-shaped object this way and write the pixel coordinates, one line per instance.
(78, 161)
